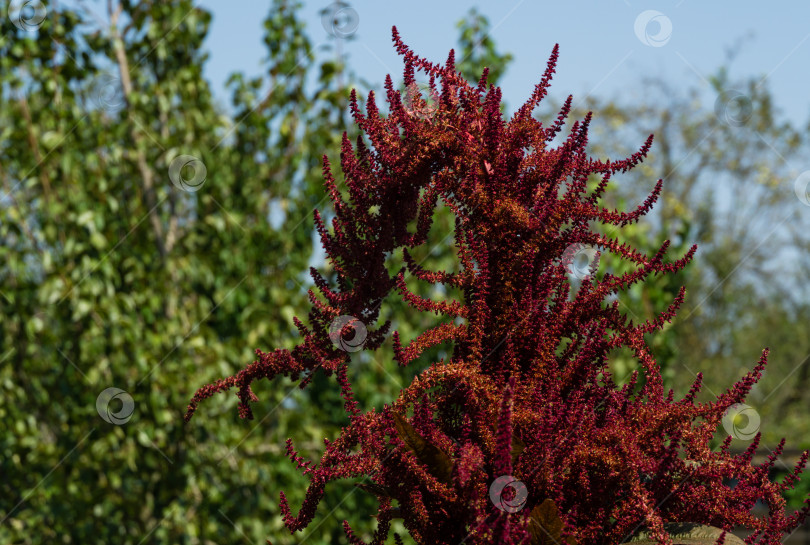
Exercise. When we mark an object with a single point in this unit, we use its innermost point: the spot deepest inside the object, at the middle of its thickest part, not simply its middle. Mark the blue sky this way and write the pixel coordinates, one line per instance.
(602, 53)
(606, 47)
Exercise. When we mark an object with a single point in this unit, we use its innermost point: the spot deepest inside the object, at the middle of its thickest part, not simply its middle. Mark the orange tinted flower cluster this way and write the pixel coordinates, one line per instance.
(526, 409)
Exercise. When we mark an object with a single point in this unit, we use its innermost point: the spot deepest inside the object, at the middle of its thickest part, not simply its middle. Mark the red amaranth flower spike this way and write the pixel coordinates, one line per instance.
(524, 417)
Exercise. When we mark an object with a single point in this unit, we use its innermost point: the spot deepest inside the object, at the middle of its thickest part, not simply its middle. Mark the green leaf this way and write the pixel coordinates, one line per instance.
(85, 218)
(376, 489)
(545, 525)
(438, 462)
(517, 449)
(687, 533)
(98, 240)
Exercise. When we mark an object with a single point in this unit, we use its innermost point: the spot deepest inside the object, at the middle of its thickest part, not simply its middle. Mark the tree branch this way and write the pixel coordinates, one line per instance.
(146, 173)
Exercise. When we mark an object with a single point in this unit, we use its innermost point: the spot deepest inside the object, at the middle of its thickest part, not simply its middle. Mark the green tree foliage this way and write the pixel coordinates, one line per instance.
(478, 49)
(128, 265)
(148, 235)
